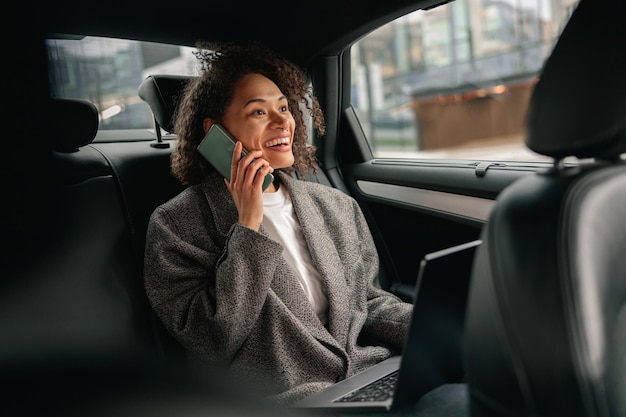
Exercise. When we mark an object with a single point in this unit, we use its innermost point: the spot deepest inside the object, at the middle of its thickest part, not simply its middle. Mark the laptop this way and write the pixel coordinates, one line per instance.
(432, 354)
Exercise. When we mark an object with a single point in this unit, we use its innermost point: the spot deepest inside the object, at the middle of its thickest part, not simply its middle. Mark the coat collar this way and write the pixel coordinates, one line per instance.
(221, 204)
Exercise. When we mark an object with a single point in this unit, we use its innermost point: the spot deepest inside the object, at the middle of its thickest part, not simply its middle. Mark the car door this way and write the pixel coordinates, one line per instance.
(429, 129)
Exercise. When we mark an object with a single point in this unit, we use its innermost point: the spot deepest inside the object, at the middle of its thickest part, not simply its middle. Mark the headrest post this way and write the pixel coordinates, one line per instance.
(558, 164)
(159, 138)
(161, 93)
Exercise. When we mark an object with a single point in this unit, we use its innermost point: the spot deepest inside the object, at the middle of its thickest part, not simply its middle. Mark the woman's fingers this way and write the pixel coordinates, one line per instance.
(235, 161)
(249, 170)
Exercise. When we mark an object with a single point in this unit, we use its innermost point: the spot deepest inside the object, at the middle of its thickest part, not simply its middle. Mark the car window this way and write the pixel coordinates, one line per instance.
(454, 81)
(108, 72)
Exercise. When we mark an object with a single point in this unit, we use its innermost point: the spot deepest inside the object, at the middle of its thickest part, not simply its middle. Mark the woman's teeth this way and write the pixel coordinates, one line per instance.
(276, 142)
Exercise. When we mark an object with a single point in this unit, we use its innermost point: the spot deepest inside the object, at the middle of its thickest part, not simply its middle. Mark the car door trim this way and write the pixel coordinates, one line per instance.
(460, 205)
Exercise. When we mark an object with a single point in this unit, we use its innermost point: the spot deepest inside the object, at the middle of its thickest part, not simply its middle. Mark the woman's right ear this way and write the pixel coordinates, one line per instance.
(206, 124)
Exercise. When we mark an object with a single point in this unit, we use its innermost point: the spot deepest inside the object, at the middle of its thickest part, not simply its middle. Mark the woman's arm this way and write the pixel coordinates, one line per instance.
(207, 292)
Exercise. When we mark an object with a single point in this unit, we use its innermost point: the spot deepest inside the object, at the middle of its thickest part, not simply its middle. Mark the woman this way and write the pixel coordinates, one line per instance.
(281, 286)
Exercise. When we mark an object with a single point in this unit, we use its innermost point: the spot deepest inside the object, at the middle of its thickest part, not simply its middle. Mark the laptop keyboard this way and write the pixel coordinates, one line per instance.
(379, 390)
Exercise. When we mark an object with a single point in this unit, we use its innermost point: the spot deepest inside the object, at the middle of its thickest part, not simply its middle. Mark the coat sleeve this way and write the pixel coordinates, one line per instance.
(208, 292)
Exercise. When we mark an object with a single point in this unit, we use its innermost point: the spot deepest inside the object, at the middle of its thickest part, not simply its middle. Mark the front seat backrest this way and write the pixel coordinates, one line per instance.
(546, 322)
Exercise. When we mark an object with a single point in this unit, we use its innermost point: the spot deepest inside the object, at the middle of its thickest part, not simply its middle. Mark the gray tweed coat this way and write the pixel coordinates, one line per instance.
(227, 295)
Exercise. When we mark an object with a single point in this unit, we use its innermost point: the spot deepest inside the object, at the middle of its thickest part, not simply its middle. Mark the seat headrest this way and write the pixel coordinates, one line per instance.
(578, 107)
(162, 92)
(74, 123)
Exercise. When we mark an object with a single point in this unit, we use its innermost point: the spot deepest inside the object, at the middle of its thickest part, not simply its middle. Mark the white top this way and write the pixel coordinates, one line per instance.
(280, 222)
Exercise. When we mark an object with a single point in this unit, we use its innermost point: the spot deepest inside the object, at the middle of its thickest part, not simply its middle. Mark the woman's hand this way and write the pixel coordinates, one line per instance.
(246, 185)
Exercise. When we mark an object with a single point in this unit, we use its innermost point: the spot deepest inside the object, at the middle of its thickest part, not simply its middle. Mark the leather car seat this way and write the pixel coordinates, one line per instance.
(546, 321)
(162, 93)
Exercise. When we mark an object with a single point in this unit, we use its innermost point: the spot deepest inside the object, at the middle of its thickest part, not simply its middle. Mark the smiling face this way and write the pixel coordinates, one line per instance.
(259, 117)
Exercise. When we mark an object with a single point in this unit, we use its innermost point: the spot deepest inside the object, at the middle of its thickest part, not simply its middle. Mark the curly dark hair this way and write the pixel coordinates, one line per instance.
(223, 64)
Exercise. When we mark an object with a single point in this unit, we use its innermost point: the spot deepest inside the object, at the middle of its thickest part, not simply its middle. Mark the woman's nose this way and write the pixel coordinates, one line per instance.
(281, 121)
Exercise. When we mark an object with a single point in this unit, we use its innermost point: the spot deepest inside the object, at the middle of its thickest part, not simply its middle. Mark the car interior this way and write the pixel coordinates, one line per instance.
(549, 281)
(546, 320)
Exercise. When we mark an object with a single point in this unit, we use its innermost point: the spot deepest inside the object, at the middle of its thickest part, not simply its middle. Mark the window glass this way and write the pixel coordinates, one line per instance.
(454, 81)
(108, 72)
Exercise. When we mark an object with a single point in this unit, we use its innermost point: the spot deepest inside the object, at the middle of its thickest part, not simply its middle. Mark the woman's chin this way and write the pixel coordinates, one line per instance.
(284, 162)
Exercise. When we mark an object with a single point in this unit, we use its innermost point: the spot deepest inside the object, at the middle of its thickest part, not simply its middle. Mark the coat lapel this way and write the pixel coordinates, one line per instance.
(221, 204)
(325, 257)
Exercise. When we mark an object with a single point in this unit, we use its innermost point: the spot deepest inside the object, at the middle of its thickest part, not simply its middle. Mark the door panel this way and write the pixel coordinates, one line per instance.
(413, 206)
(419, 206)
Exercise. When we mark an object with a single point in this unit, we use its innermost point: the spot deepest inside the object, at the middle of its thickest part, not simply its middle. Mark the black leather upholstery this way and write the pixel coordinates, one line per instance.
(546, 329)
(77, 119)
(578, 107)
(144, 181)
(73, 284)
(162, 93)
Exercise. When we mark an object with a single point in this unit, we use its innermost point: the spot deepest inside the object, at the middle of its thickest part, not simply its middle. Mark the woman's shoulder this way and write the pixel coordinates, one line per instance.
(323, 192)
(309, 185)
(197, 193)
(189, 197)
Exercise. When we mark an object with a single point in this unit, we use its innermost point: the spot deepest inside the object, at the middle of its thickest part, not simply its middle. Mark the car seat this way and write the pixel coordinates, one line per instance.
(546, 321)
(162, 93)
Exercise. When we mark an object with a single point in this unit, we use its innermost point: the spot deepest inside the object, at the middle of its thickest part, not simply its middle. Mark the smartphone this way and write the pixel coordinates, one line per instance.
(218, 146)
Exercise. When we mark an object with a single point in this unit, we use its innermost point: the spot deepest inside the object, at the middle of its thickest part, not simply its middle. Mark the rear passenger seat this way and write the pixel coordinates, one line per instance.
(75, 267)
(74, 318)
(76, 258)
(78, 334)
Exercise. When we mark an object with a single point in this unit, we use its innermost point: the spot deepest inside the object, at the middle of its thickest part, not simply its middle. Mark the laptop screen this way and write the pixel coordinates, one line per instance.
(437, 325)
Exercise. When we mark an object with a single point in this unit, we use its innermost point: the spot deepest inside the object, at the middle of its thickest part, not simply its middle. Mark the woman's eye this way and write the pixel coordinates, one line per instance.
(259, 112)
(284, 108)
